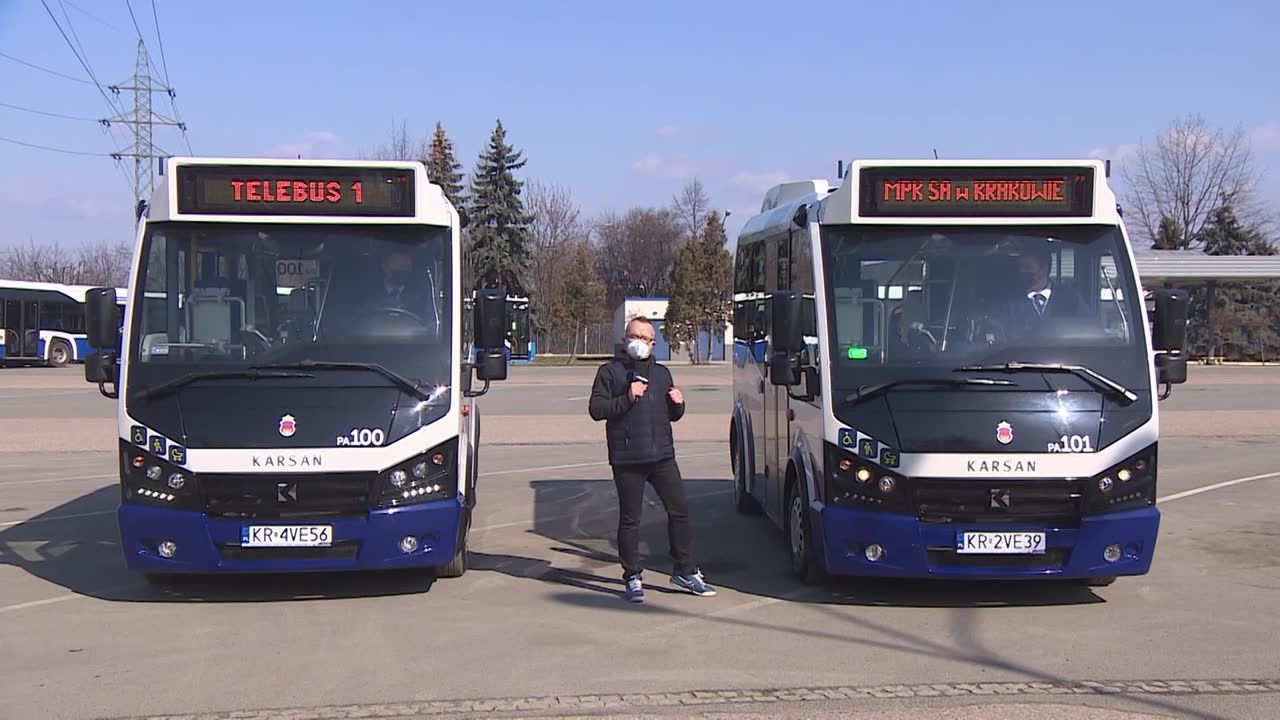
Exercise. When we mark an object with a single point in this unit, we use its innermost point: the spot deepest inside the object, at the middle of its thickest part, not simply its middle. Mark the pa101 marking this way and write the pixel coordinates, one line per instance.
(362, 437)
(1072, 444)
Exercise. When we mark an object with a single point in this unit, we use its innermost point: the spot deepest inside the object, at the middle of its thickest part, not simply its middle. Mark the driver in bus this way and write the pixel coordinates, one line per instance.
(1039, 301)
(397, 272)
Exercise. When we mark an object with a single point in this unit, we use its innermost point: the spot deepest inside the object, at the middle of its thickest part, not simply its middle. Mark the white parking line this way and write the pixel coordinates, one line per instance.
(582, 465)
(68, 478)
(53, 518)
(1216, 486)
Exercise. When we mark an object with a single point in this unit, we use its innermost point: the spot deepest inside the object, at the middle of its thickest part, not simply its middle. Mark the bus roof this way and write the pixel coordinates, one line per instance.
(272, 190)
(73, 292)
(950, 192)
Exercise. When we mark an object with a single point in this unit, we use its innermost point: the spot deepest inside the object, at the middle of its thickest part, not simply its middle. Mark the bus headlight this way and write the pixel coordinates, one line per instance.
(149, 480)
(849, 483)
(423, 478)
(1130, 485)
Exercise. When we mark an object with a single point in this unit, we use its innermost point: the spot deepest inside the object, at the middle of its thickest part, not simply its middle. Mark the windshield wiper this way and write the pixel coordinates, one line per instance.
(869, 391)
(184, 380)
(1080, 370)
(409, 386)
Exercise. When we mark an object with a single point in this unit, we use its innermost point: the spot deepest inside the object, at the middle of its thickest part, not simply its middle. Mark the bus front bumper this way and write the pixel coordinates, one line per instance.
(213, 545)
(911, 548)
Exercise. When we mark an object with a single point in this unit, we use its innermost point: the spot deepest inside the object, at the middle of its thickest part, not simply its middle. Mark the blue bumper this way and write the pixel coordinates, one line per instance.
(212, 545)
(926, 550)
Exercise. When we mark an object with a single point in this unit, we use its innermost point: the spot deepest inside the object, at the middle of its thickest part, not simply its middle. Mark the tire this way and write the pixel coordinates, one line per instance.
(799, 533)
(743, 502)
(457, 567)
(1098, 581)
(59, 353)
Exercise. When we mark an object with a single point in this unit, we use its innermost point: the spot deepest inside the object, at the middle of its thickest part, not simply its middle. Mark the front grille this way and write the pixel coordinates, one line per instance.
(995, 502)
(285, 496)
(1051, 559)
(342, 550)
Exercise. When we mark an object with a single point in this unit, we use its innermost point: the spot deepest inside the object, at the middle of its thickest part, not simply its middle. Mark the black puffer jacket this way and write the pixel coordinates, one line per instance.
(640, 431)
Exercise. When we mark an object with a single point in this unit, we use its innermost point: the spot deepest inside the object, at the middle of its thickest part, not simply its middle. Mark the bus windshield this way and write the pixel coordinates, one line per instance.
(918, 300)
(224, 296)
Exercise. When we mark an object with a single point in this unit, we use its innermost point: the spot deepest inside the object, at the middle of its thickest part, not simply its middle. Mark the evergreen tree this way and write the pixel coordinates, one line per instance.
(701, 289)
(443, 168)
(1224, 235)
(498, 234)
(717, 277)
(1245, 316)
(680, 327)
(1169, 236)
(578, 299)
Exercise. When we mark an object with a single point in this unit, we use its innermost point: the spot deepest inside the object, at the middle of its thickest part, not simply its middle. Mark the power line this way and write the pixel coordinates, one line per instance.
(48, 114)
(83, 62)
(160, 39)
(173, 101)
(95, 18)
(54, 149)
(82, 81)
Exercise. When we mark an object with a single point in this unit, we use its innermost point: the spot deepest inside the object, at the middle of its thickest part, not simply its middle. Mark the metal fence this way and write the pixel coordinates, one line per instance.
(596, 339)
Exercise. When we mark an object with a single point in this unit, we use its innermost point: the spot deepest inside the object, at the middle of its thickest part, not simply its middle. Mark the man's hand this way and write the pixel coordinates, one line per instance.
(676, 396)
(637, 390)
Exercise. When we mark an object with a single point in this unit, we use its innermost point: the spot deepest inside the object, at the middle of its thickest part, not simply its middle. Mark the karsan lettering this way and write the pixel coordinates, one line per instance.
(1001, 466)
(287, 461)
(298, 191)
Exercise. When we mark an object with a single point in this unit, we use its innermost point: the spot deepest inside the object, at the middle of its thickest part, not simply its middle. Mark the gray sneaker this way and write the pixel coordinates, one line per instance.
(693, 583)
(635, 590)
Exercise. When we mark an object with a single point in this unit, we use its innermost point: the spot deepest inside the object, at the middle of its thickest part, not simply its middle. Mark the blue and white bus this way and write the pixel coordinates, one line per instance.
(294, 376)
(944, 369)
(44, 323)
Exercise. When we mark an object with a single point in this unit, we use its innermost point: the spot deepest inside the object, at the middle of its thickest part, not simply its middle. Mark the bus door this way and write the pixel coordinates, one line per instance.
(775, 397)
(22, 328)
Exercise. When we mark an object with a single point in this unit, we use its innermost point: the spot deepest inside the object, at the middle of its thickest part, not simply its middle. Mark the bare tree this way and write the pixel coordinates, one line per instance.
(400, 146)
(635, 252)
(102, 263)
(690, 206)
(553, 229)
(1191, 170)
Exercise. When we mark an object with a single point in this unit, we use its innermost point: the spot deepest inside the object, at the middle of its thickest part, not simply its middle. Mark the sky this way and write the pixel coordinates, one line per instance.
(623, 103)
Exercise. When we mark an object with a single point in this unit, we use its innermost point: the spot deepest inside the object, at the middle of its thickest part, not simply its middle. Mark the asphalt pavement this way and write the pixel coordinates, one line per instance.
(537, 627)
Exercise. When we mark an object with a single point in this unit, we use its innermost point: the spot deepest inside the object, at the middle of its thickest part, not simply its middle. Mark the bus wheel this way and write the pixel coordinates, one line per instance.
(798, 535)
(1098, 581)
(59, 353)
(742, 500)
(457, 567)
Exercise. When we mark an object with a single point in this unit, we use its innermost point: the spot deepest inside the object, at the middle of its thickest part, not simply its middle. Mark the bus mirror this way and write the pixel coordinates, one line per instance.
(102, 318)
(100, 368)
(787, 330)
(491, 365)
(489, 321)
(783, 370)
(1171, 368)
(1169, 330)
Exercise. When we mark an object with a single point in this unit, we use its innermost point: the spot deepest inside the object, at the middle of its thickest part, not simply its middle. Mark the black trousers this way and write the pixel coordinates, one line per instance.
(664, 476)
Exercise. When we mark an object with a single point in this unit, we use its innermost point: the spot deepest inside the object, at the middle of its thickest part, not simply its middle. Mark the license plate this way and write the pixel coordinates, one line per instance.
(286, 536)
(1000, 543)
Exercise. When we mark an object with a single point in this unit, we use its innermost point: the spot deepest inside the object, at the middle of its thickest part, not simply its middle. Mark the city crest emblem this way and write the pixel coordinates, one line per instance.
(1004, 433)
(288, 426)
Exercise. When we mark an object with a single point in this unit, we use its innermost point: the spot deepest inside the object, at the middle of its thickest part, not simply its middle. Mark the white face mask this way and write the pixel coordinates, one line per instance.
(638, 349)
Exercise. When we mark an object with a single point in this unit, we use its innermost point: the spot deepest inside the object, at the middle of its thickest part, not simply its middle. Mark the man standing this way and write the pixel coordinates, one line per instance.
(638, 401)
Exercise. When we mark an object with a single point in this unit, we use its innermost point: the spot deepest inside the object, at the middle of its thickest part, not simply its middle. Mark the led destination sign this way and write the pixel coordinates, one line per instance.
(280, 190)
(976, 192)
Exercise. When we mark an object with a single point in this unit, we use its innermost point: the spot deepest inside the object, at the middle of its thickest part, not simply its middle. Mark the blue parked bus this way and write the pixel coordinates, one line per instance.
(294, 378)
(946, 370)
(43, 323)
